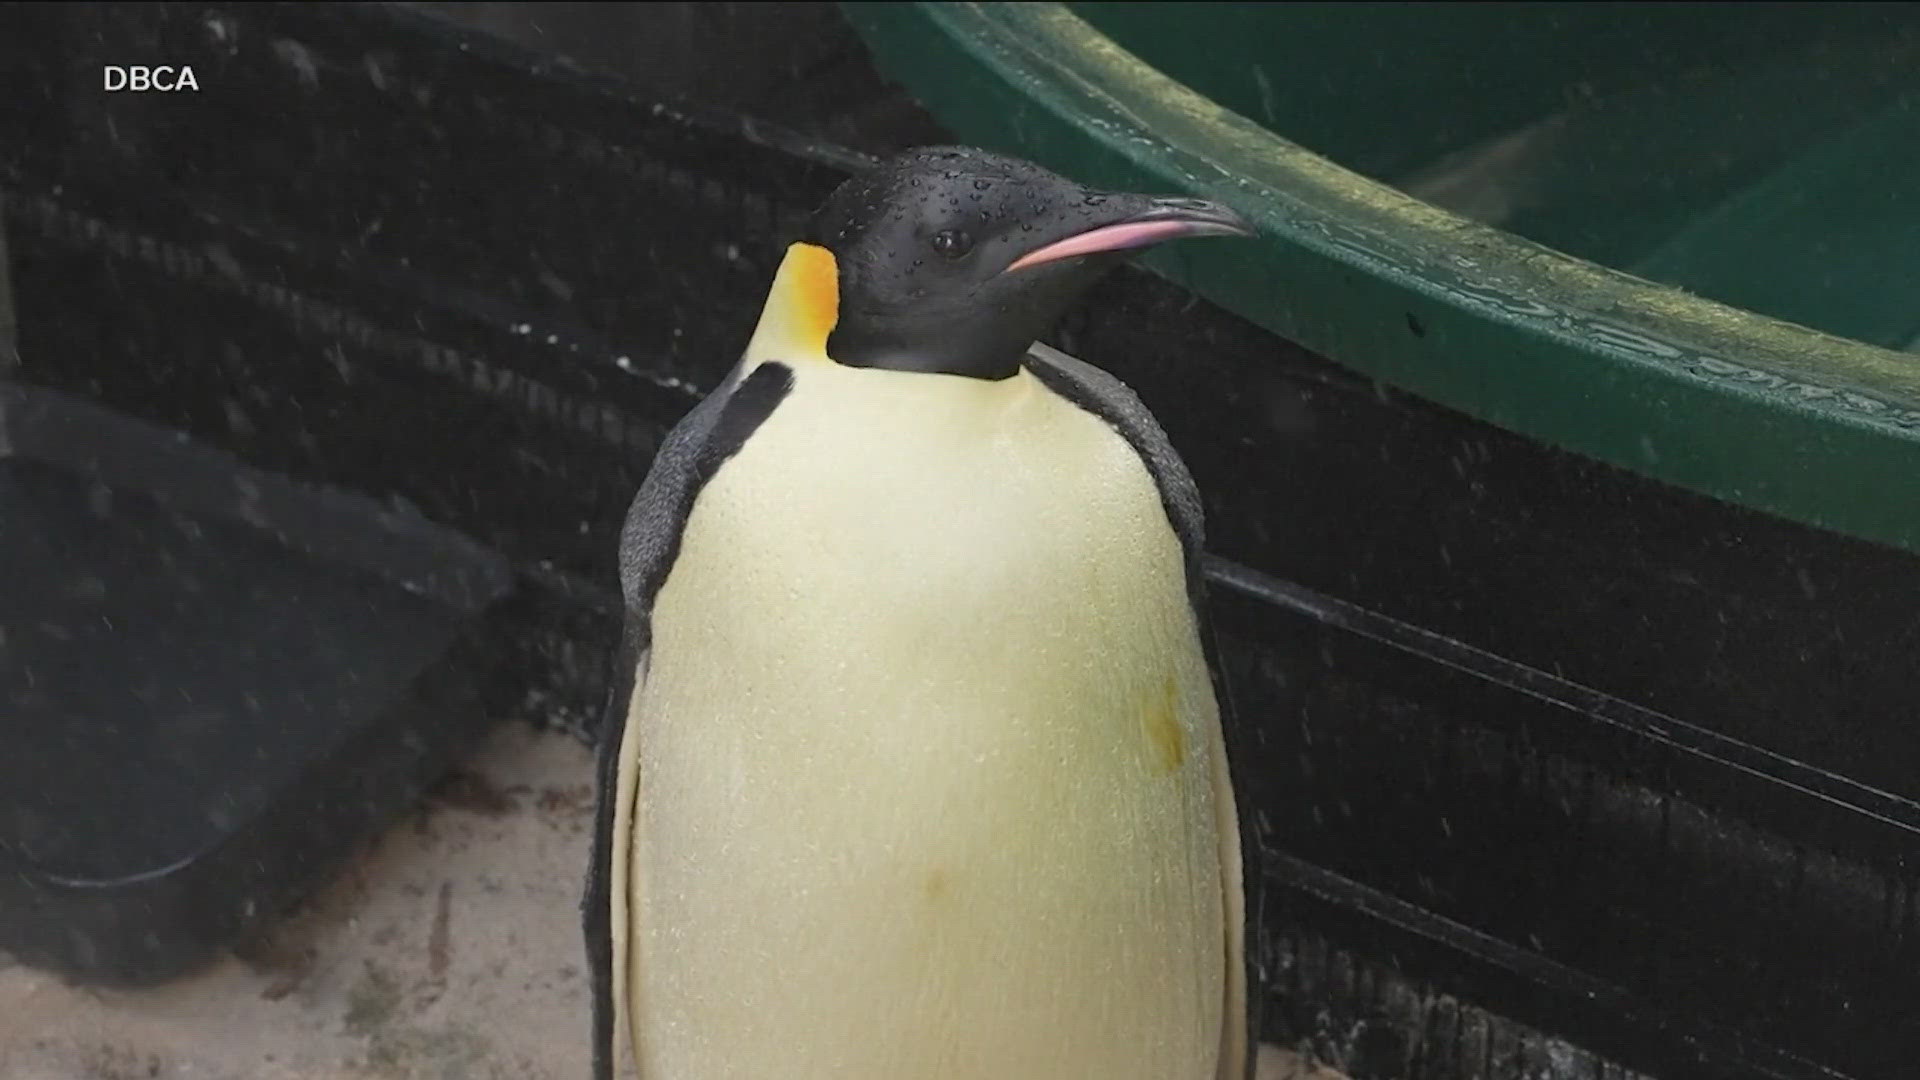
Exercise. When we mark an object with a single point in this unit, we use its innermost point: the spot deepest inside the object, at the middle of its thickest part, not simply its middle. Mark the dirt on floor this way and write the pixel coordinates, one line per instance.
(448, 950)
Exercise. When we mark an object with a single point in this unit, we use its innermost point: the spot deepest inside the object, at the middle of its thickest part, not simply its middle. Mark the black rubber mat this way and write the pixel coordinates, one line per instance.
(213, 682)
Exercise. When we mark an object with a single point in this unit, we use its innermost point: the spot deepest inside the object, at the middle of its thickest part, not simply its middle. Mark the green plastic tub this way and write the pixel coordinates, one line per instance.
(1681, 239)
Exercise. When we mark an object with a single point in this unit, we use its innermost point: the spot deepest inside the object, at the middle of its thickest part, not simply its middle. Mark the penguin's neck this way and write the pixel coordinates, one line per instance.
(801, 310)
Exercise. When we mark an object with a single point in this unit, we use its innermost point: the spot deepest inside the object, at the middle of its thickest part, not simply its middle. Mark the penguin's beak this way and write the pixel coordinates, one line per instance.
(1162, 220)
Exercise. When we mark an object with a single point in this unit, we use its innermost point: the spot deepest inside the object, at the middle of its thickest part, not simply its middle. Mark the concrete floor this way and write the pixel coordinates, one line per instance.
(449, 950)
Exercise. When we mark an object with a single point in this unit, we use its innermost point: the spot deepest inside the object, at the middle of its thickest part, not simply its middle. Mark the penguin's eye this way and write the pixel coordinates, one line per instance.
(952, 243)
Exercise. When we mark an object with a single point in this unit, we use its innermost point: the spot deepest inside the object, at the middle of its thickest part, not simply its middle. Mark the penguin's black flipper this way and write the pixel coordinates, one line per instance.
(596, 906)
(692, 452)
(1240, 951)
(1111, 400)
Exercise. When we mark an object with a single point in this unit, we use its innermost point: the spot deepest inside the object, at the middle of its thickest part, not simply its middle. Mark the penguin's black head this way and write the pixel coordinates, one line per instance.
(955, 260)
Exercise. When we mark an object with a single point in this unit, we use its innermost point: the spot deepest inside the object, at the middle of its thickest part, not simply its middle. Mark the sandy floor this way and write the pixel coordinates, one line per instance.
(448, 951)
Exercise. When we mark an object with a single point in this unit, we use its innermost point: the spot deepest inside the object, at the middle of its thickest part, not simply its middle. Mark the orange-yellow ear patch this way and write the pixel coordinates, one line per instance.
(1160, 718)
(814, 292)
(802, 307)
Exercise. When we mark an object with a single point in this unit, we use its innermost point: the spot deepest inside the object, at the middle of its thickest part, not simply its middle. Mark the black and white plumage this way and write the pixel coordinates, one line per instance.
(915, 765)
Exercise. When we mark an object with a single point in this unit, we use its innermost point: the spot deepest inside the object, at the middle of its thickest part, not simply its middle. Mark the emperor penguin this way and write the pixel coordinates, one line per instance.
(914, 766)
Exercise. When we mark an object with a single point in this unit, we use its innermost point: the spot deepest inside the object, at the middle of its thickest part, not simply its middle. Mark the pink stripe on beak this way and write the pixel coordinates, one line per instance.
(1121, 237)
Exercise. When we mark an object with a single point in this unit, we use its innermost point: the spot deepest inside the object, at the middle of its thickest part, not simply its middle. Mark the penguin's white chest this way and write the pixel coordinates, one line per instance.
(923, 755)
